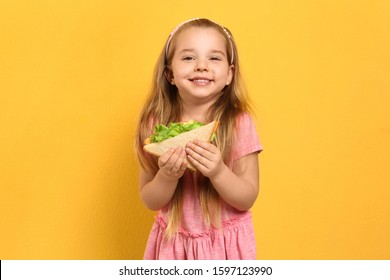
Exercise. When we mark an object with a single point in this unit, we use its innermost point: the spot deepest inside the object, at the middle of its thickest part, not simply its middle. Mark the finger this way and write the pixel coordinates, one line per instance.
(183, 167)
(165, 157)
(199, 150)
(197, 164)
(206, 146)
(198, 158)
(179, 161)
(173, 159)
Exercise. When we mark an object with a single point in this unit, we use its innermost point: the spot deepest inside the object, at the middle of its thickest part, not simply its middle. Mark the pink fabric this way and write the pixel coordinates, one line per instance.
(234, 240)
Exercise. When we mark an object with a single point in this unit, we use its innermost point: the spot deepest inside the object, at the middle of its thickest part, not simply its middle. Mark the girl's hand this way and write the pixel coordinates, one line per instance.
(206, 157)
(173, 163)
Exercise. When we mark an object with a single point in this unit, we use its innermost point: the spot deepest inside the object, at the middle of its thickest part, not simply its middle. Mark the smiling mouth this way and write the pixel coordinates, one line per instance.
(201, 81)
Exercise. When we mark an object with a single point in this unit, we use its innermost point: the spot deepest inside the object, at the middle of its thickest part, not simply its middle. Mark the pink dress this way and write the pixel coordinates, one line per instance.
(235, 240)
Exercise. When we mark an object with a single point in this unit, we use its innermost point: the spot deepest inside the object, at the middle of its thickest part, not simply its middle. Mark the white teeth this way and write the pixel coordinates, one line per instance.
(201, 81)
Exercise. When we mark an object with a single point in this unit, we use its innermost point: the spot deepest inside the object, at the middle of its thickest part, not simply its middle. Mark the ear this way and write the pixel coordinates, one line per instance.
(230, 75)
(169, 75)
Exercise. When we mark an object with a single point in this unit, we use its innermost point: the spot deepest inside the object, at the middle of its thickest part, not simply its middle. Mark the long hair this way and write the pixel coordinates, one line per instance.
(163, 106)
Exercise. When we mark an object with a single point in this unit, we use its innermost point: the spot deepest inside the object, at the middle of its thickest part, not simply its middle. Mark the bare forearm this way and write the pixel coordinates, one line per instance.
(236, 191)
(158, 192)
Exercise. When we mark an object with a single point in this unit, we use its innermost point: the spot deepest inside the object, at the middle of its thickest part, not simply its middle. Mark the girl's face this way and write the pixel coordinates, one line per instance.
(200, 67)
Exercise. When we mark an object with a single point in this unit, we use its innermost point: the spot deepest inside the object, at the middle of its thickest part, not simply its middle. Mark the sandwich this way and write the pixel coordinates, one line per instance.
(179, 134)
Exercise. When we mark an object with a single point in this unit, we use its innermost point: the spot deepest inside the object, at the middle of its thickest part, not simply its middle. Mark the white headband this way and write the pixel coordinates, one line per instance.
(184, 22)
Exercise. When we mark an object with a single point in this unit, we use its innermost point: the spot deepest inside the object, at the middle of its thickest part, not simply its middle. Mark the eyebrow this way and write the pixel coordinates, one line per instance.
(212, 51)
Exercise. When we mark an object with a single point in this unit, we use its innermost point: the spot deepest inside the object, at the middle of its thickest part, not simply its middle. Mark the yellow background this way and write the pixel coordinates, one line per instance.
(73, 76)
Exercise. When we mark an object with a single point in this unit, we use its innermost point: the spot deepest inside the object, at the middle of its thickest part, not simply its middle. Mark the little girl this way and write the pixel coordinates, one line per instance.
(204, 214)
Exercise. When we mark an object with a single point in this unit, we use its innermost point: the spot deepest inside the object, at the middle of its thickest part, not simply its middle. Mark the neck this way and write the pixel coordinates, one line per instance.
(194, 112)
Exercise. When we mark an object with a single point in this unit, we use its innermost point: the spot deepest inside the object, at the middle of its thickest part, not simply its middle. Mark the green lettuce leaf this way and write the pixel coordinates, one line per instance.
(213, 137)
(162, 132)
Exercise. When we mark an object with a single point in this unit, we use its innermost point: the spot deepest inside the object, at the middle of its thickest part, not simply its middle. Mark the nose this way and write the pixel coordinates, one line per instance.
(201, 65)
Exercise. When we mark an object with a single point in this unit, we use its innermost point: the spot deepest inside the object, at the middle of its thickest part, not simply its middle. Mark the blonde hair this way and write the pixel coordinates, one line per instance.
(163, 106)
